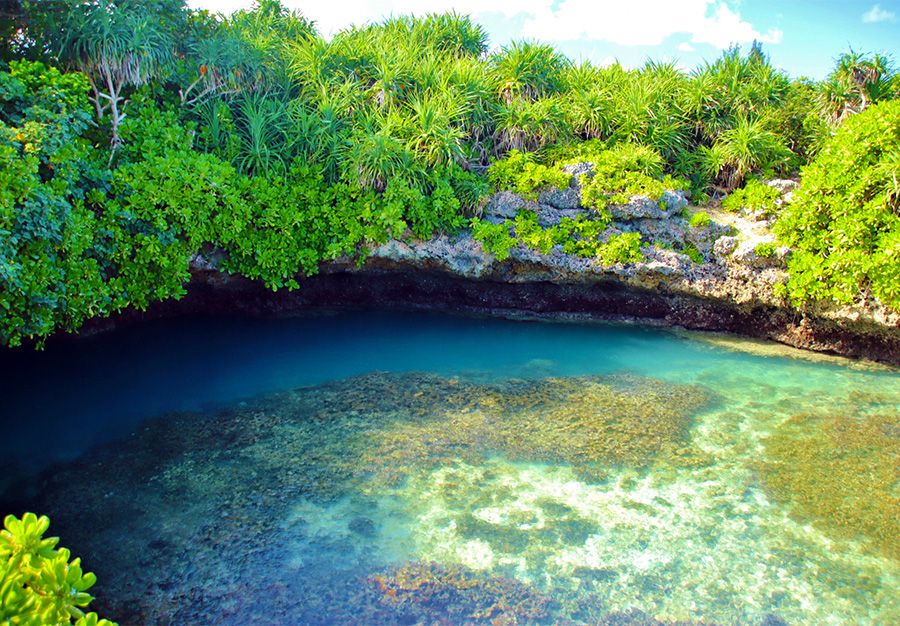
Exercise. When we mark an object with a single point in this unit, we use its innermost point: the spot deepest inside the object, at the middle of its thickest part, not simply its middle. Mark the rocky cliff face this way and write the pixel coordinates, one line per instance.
(731, 288)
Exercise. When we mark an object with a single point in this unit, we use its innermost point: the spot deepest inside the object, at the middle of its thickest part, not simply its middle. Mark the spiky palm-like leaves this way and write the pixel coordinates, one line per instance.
(375, 155)
(527, 70)
(529, 125)
(645, 110)
(434, 137)
(261, 127)
(453, 34)
(857, 81)
(118, 45)
(748, 147)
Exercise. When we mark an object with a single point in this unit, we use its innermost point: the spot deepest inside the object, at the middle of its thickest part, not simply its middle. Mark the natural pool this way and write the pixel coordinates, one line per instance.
(374, 468)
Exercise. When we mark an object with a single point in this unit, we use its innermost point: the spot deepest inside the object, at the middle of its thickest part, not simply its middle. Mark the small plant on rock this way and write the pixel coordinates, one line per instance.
(700, 219)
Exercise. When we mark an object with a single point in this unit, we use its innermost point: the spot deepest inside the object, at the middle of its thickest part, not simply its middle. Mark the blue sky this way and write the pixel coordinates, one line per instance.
(801, 36)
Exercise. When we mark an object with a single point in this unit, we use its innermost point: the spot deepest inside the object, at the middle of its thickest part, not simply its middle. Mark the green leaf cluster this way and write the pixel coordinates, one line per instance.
(580, 236)
(521, 173)
(494, 238)
(753, 196)
(40, 584)
(617, 173)
(622, 249)
(700, 219)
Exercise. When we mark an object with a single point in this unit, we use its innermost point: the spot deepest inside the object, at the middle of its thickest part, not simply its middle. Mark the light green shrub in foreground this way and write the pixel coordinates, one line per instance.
(39, 585)
(844, 224)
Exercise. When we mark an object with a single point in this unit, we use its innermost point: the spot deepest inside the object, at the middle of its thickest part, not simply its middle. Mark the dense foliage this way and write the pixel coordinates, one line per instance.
(139, 133)
(845, 224)
(39, 584)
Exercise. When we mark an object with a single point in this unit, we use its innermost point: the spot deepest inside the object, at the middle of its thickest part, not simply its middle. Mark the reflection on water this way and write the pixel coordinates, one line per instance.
(581, 475)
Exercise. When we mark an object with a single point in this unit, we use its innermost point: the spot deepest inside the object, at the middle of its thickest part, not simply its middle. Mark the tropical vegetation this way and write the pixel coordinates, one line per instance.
(41, 584)
(135, 134)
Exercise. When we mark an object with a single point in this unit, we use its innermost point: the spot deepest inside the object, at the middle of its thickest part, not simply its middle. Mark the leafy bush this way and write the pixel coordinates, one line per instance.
(753, 196)
(700, 219)
(621, 249)
(580, 236)
(494, 238)
(530, 233)
(521, 173)
(765, 249)
(844, 223)
(624, 171)
(39, 584)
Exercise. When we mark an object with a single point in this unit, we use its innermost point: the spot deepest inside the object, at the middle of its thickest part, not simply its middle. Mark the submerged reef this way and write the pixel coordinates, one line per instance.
(591, 423)
(427, 499)
(841, 473)
(430, 593)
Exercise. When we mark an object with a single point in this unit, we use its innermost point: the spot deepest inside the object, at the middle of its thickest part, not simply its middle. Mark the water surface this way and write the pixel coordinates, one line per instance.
(373, 468)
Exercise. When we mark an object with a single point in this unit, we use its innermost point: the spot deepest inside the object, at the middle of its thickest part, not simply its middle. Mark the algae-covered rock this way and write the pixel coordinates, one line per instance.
(841, 473)
(590, 422)
(430, 593)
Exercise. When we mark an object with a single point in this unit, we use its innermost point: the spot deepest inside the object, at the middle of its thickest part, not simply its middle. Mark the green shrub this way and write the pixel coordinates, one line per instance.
(624, 171)
(39, 584)
(530, 233)
(700, 219)
(494, 238)
(766, 249)
(754, 196)
(622, 248)
(521, 173)
(844, 224)
(580, 236)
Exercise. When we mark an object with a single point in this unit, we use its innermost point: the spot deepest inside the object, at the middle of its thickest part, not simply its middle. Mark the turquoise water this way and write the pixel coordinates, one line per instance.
(374, 468)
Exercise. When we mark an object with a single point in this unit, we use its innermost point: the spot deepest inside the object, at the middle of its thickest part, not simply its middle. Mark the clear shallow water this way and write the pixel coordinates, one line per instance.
(383, 468)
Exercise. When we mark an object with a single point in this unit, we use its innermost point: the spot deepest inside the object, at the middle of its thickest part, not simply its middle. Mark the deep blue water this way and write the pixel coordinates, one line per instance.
(94, 389)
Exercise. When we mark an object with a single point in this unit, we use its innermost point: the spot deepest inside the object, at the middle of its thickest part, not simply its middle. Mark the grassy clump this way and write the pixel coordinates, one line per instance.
(840, 473)
(693, 253)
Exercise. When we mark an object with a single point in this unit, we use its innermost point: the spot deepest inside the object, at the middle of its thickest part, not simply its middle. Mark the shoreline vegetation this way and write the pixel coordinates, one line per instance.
(135, 135)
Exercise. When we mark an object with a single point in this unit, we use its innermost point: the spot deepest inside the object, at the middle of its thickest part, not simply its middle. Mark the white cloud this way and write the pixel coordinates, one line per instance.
(646, 22)
(877, 14)
(684, 46)
(632, 23)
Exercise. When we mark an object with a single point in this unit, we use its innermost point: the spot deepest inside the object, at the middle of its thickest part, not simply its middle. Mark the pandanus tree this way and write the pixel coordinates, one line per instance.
(749, 147)
(857, 82)
(120, 45)
(528, 71)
